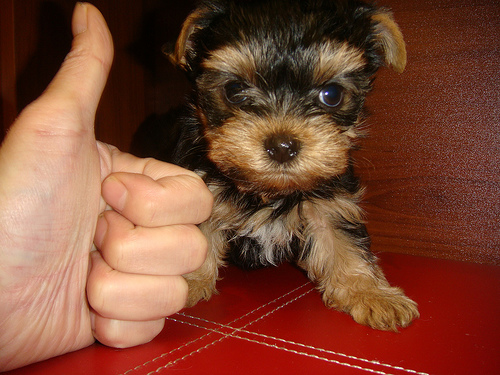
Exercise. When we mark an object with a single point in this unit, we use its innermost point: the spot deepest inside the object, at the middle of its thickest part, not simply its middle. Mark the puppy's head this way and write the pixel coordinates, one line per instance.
(280, 85)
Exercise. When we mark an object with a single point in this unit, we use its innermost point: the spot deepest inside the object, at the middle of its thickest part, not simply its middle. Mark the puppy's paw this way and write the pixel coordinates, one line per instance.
(198, 290)
(385, 309)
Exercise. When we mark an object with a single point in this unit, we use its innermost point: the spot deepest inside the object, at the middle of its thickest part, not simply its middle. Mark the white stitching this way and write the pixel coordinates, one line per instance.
(189, 354)
(313, 356)
(212, 331)
(299, 344)
(276, 309)
(275, 347)
(236, 330)
(262, 316)
(166, 353)
(268, 303)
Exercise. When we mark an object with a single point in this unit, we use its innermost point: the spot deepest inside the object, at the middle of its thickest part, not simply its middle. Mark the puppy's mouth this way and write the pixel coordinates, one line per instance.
(280, 171)
(278, 158)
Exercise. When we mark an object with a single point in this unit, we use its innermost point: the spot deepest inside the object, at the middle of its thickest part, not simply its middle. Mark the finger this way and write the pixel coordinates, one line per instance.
(180, 199)
(83, 74)
(183, 199)
(77, 87)
(123, 333)
(125, 162)
(60, 122)
(117, 295)
(170, 250)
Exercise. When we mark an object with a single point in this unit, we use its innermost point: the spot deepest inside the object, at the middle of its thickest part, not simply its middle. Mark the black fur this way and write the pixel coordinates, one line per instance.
(295, 24)
(287, 72)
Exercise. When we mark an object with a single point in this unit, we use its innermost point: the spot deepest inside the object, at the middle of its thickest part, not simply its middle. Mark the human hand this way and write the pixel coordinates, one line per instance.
(52, 170)
(145, 244)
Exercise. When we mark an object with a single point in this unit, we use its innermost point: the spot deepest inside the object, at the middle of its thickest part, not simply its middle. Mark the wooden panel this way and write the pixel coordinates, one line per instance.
(431, 162)
(166, 86)
(42, 39)
(122, 106)
(7, 66)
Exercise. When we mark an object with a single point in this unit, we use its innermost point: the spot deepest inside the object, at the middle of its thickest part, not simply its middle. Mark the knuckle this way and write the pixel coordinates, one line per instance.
(202, 249)
(196, 251)
(151, 210)
(176, 297)
(110, 332)
(116, 250)
(99, 288)
(204, 199)
(109, 335)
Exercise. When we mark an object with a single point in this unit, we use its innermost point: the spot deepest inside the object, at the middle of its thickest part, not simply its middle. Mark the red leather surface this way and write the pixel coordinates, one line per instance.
(272, 321)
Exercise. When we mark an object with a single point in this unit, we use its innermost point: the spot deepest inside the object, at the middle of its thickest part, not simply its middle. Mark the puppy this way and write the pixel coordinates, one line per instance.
(277, 105)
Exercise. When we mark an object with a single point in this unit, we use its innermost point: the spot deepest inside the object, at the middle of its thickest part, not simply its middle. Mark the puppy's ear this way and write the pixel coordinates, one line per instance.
(184, 51)
(178, 54)
(389, 38)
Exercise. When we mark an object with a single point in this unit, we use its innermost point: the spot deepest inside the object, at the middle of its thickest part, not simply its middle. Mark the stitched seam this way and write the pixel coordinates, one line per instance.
(276, 309)
(211, 331)
(312, 356)
(226, 335)
(259, 318)
(266, 304)
(166, 354)
(161, 368)
(234, 330)
(304, 346)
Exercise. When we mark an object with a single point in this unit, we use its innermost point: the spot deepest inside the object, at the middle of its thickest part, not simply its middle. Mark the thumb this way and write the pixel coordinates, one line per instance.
(83, 74)
(61, 121)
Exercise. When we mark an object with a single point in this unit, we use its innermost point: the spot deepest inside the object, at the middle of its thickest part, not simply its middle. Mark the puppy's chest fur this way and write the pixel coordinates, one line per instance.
(260, 232)
(264, 235)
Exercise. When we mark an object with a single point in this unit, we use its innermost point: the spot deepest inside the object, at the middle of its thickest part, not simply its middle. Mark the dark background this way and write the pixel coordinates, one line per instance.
(430, 163)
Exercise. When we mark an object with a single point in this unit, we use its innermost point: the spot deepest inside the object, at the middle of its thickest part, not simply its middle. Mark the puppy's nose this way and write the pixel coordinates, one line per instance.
(282, 147)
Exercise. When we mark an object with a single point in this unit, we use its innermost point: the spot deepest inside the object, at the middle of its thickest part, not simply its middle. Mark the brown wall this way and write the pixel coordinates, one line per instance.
(35, 35)
(431, 162)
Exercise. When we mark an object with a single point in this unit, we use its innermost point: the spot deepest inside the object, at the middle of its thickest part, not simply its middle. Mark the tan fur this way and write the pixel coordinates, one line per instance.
(324, 151)
(348, 282)
(273, 203)
(178, 56)
(238, 60)
(337, 60)
(391, 40)
(201, 283)
(226, 219)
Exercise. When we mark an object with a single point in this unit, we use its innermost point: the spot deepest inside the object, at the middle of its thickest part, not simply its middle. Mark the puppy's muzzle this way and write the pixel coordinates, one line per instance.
(282, 148)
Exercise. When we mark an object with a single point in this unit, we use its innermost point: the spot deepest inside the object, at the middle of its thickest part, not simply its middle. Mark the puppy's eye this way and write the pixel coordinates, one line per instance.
(235, 92)
(331, 95)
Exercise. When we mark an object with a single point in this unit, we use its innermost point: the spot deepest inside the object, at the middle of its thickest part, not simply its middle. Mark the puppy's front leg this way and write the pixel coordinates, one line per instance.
(346, 271)
(201, 283)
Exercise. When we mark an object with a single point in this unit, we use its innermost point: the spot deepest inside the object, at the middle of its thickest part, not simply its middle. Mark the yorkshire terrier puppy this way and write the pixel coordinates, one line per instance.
(277, 105)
